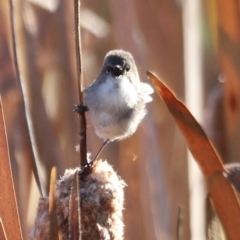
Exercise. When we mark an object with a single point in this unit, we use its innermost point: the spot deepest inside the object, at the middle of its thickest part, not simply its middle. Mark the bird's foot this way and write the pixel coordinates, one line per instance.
(86, 170)
(80, 109)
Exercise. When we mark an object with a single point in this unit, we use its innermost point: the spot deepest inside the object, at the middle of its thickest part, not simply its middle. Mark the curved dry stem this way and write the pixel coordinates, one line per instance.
(18, 75)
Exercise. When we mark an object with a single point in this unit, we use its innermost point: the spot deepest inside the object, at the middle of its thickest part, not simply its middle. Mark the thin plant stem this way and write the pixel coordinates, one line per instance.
(82, 118)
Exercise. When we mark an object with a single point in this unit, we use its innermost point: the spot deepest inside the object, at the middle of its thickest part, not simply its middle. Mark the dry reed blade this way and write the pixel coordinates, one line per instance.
(8, 207)
(53, 233)
(220, 190)
(2, 231)
(74, 210)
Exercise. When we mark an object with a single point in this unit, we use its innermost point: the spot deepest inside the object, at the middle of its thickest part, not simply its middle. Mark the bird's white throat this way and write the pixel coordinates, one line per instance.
(118, 92)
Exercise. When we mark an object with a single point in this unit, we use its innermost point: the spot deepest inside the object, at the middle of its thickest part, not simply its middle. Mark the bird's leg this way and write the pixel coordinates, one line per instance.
(105, 143)
(80, 109)
(87, 168)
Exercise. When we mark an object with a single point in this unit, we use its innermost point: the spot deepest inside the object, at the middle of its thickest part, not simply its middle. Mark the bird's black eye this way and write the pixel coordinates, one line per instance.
(109, 69)
(127, 68)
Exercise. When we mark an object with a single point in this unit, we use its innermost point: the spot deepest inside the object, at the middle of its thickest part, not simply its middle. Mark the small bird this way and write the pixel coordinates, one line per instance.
(117, 99)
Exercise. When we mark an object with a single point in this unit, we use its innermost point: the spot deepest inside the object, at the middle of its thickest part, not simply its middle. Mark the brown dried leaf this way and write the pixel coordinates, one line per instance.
(8, 206)
(220, 191)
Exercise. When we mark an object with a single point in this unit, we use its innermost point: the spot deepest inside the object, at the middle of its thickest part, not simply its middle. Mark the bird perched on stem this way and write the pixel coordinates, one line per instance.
(117, 99)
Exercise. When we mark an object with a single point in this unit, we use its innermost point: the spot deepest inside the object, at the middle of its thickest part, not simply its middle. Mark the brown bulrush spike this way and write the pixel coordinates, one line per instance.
(102, 199)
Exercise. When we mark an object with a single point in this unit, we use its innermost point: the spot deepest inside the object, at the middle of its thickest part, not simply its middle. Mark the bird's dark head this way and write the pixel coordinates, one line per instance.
(120, 63)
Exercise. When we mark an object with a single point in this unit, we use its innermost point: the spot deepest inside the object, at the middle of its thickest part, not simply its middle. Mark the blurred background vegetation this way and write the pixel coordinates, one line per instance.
(179, 41)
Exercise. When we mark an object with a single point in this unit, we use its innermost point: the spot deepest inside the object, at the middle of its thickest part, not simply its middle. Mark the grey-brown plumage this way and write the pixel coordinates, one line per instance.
(116, 100)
